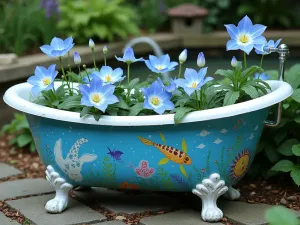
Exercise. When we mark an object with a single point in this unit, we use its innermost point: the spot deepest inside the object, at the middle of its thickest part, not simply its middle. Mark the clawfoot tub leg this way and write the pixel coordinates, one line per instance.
(62, 188)
(232, 194)
(209, 191)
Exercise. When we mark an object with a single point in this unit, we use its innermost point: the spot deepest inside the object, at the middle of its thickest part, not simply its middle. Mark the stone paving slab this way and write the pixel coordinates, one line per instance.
(181, 217)
(112, 222)
(7, 221)
(127, 203)
(244, 213)
(76, 213)
(7, 170)
(17, 188)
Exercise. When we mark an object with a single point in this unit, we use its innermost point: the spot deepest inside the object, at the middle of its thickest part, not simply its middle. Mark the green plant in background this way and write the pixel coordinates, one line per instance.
(19, 127)
(281, 145)
(279, 215)
(98, 19)
(19, 29)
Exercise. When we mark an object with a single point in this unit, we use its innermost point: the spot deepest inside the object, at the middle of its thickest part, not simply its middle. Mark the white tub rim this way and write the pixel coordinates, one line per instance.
(17, 97)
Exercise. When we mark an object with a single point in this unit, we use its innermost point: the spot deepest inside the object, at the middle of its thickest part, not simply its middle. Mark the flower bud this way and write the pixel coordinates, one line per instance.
(77, 59)
(84, 66)
(91, 43)
(233, 62)
(201, 60)
(105, 50)
(183, 56)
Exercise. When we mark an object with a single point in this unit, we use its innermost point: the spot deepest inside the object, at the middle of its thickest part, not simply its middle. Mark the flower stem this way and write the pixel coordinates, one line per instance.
(261, 61)
(197, 101)
(80, 74)
(104, 59)
(69, 65)
(245, 60)
(179, 73)
(64, 74)
(200, 103)
(128, 74)
(94, 58)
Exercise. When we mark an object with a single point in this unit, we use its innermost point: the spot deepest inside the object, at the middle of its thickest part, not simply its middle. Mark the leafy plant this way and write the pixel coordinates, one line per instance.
(19, 30)
(19, 127)
(99, 19)
(280, 145)
(279, 215)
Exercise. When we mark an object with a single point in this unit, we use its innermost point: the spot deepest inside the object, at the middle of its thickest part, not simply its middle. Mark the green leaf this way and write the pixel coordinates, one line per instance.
(180, 113)
(97, 115)
(75, 77)
(297, 119)
(272, 154)
(225, 73)
(251, 91)
(231, 97)
(295, 174)
(273, 74)
(286, 147)
(85, 111)
(70, 102)
(163, 161)
(279, 215)
(296, 150)
(136, 109)
(279, 136)
(292, 76)
(296, 95)
(23, 140)
(283, 166)
(32, 147)
(133, 82)
(121, 104)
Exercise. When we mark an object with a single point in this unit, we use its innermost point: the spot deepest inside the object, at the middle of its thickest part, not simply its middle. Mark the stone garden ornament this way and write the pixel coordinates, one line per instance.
(98, 127)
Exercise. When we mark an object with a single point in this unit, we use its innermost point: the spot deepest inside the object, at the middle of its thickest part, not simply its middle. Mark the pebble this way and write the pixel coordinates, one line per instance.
(252, 185)
(275, 191)
(283, 201)
(263, 183)
(292, 198)
(268, 187)
(120, 218)
(252, 194)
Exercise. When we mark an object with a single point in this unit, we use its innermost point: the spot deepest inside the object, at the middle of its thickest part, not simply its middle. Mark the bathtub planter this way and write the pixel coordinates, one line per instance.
(207, 153)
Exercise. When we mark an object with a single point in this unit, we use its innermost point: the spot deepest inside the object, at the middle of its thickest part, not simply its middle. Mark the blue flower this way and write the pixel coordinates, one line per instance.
(129, 57)
(107, 75)
(245, 36)
(157, 98)
(261, 76)
(161, 64)
(271, 43)
(58, 47)
(233, 62)
(77, 59)
(97, 94)
(193, 80)
(171, 87)
(201, 60)
(42, 79)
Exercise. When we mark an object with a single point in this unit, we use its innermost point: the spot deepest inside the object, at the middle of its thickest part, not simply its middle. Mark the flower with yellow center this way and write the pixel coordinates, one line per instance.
(107, 75)
(160, 64)
(194, 84)
(46, 81)
(108, 78)
(245, 36)
(96, 97)
(155, 101)
(159, 67)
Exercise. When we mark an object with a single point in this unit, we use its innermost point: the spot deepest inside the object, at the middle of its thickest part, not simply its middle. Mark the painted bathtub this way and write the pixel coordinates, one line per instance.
(172, 157)
(207, 153)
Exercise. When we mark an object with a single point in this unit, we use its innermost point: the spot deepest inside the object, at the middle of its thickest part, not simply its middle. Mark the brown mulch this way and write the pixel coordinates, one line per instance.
(274, 191)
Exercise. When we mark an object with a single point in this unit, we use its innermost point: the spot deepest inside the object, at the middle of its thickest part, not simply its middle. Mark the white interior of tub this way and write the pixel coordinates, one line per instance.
(18, 97)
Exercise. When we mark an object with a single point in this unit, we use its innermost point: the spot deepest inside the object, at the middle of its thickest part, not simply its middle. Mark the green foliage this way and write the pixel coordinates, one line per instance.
(242, 87)
(19, 29)
(279, 215)
(98, 19)
(281, 145)
(19, 127)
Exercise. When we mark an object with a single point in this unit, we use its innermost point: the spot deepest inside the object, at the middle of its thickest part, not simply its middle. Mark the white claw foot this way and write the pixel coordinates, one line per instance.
(60, 202)
(209, 191)
(232, 194)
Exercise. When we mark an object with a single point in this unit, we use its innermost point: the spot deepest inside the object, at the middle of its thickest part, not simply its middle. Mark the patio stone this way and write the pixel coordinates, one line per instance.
(7, 221)
(112, 222)
(7, 170)
(25, 187)
(188, 217)
(76, 213)
(244, 213)
(127, 203)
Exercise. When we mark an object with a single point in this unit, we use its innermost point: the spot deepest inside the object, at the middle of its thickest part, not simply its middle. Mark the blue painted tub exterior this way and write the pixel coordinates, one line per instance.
(116, 157)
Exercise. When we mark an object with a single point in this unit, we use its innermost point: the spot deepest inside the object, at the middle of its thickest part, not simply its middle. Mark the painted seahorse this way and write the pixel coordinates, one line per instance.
(171, 153)
(72, 165)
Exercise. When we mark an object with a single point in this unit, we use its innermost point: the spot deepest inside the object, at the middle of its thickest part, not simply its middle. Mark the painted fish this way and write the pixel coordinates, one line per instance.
(116, 154)
(171, 153)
